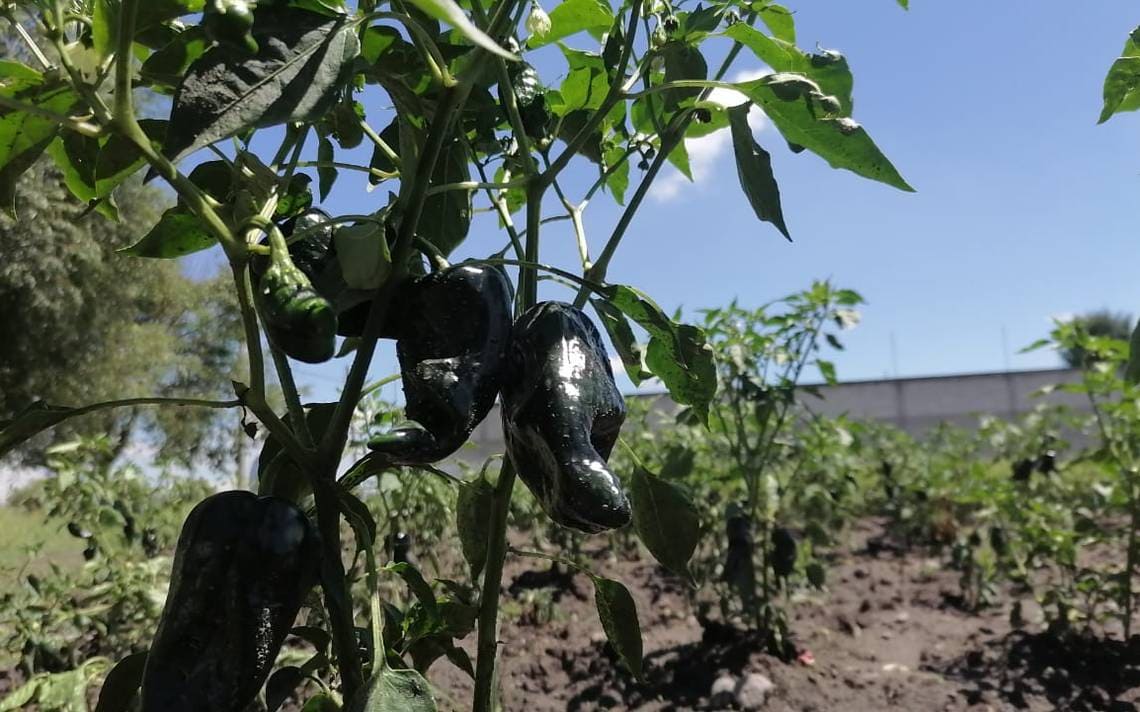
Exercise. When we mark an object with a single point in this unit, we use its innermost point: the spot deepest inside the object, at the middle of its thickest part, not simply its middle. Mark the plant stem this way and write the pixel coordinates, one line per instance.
(597, 272)
(487, 648)
(380, 143)
(338, 601)
(613, 96)
(297, 420)
(382, 175)
(470, 185)
(124, 92)
(449, 107)
(31, 43)
(1130, 563)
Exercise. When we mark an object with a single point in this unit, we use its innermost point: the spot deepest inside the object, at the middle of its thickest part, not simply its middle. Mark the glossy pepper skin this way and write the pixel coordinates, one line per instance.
(229, 22)
(452, 329)
(298, 320)
(241, 571)
(562, 413)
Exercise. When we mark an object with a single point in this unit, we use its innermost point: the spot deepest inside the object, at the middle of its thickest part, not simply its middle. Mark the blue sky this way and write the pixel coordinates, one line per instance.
(1024, 210)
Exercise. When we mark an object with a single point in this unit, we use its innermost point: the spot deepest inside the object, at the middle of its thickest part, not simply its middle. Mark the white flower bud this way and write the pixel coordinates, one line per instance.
(537, 22)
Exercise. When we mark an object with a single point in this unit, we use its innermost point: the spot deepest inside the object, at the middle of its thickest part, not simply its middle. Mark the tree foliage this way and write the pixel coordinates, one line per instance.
(81, 323)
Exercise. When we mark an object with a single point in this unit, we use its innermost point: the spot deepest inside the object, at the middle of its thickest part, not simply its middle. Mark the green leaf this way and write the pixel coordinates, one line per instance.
(827, 370)
(417, 584)
(754, 169)
(105, 27)
(29, 422)
(573, 16)
(326, 174)
(621, 335)
(679, 157)
(448, 11)
(447, 215)
(1122, 84)
(394, 691)
(359, 517)
(17, 76)
(17, 699)
(122, 684)
(277, 473)
(1132, 370)
(1120, 88)
(303, 60)
(827, 68)
(678, 354)
(618, 614)
(92, 168)
(682, 61)
(177, 234)
(362, 251)
(586, 83)
(153, 12)
(320, 703)
(839, 141)
(666, 520)
(618, 180)
(473, 520)
(24, 136)
(281, 684)
(164, 69)
(904, 4)
(780, 21)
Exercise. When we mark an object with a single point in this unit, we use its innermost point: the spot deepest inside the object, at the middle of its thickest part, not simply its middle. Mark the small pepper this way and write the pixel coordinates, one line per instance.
(562, 412)
(241, 570)
(1022, 469)
(298, 320)
(783, 552)
(452, 329)
(229, 22)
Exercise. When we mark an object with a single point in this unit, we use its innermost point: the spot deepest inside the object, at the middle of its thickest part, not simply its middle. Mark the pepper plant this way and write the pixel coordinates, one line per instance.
(469, 116)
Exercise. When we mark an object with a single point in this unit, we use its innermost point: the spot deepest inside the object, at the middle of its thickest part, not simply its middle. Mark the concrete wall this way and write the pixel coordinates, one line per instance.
(918, 404)
(912, 404)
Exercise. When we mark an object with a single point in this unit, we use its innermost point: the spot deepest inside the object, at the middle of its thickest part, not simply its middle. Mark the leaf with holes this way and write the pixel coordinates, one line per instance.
(839, 141)
(394, 691)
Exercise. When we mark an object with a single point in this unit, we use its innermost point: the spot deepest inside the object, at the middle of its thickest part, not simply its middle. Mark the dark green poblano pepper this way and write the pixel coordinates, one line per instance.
(298, 320)
(452, 329)
(783, 559)
(241, 570)
(562, 412)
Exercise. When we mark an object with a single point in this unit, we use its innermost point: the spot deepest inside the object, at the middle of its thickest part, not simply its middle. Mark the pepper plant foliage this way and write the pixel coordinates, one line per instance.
(469, 120)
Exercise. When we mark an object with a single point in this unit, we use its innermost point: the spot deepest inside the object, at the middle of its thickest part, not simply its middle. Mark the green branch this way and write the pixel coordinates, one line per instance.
(79, 126)
(615, 94)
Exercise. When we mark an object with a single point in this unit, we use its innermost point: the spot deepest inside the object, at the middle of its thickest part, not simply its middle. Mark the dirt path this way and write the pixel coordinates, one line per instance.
(886, 635)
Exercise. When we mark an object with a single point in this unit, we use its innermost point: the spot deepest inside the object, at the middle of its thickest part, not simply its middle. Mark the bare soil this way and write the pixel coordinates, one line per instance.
(887, 634)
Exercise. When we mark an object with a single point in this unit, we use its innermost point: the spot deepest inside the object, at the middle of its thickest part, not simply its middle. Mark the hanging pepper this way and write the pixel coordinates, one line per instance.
(783, 559)
(242, 567)
(562, 413)
(298, 319)
(452, 329)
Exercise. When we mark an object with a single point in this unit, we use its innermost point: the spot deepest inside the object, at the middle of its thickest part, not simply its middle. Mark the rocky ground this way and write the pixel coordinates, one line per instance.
(887, 634)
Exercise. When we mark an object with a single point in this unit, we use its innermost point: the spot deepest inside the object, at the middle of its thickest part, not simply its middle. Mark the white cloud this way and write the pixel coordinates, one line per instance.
(705, 152)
